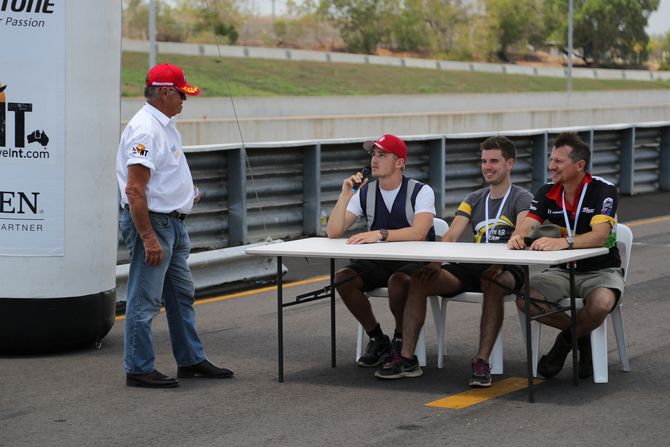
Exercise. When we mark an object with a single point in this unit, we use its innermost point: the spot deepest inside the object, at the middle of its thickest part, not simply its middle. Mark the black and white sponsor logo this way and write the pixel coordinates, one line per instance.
(608, 203)
(20, 211)
(22, 145)
(20, 8)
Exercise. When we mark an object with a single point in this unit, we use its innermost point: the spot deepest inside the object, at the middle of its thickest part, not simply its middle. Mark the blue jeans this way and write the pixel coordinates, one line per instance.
(169, 283)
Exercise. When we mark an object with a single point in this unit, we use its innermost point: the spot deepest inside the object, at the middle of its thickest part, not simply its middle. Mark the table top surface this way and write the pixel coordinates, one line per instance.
(321, 247)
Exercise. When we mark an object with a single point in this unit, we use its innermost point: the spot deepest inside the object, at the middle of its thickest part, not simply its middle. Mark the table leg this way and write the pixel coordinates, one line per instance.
(573, 325)
(529, 349)
(280, 320)
(332, 312)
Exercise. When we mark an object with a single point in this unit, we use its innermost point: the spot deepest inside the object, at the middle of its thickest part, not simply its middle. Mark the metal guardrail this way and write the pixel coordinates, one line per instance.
(278, 189)
(215, 267)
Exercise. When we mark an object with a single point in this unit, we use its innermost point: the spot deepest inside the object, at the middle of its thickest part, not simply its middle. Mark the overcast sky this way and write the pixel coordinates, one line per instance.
(659, 22)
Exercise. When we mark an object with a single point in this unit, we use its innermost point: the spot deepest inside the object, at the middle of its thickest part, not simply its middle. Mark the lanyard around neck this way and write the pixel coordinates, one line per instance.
(573, 232)
(486, 212)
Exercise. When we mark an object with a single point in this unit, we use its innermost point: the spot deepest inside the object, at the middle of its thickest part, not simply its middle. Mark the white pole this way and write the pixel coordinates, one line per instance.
(152, 33)
(570, 51)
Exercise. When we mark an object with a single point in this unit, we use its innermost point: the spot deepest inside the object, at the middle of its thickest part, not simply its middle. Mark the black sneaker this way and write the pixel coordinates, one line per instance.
(394, 351)
(585, 358)
(552, 363)
(481, 373)
(398, 367)
(377, 348)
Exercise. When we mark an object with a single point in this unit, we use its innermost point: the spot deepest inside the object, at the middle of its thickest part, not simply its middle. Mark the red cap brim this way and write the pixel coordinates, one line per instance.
(190, 90)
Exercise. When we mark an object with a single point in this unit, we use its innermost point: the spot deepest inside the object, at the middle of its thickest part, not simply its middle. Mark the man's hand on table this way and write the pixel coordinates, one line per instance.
(549, 244)
(365, 238)
(516, 242)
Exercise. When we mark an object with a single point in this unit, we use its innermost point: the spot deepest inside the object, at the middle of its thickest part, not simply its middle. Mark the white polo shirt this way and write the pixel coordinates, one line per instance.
(151, 139)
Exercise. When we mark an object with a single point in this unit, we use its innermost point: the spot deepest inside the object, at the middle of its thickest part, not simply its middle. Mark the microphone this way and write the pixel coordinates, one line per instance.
(366, 174)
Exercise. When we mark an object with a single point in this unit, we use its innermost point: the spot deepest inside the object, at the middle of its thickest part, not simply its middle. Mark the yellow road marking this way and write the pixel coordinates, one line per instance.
(477, 395)
(252, 292)
(651, 220)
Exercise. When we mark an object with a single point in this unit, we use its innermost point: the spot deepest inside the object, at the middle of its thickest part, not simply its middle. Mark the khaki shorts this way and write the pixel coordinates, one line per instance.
(554, 283)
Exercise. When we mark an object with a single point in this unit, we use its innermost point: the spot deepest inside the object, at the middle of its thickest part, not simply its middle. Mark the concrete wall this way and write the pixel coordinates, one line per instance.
(349, 58)
(211, 120)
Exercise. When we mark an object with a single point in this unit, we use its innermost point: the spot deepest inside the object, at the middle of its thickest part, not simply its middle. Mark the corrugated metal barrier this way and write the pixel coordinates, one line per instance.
(278, 190)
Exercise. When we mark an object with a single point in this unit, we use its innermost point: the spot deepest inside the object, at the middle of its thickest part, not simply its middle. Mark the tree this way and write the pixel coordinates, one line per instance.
(363, 24)
(608, 31)
(514, 21)
(218, 17)
(136, 21)
(445, 19)
(410, 26)
(663, 43)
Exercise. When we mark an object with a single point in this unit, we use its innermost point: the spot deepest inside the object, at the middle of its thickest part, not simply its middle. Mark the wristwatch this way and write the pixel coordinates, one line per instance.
(385, 234)
(571, 242)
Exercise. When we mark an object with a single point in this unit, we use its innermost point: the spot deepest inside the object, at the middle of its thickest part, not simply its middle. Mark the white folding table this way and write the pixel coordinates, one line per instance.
(425, 251)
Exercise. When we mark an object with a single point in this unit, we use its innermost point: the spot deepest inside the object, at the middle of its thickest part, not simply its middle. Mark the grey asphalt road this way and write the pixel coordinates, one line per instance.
(79, 398)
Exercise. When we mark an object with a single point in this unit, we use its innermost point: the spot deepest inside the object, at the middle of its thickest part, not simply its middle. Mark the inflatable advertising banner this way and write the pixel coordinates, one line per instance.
(32, 127)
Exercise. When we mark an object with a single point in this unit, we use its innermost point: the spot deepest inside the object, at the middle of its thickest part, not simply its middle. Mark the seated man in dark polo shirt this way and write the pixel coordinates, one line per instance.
(584, 207)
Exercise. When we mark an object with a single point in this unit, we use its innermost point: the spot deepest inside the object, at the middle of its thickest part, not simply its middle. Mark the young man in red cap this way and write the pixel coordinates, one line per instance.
(396, 209)
(157, 193)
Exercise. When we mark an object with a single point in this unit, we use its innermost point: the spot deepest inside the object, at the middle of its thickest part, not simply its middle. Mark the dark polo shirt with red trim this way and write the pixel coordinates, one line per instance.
(599, 206)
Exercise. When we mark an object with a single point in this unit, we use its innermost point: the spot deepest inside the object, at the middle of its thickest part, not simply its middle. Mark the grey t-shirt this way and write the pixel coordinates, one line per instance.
(473, 208)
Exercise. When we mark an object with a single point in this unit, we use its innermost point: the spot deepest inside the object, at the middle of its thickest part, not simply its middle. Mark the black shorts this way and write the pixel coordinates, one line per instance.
(376, 274)
(470, 275)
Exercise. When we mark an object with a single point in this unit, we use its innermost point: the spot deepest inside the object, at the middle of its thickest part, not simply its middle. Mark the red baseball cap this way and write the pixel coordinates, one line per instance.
(166, 75)
(388, 143)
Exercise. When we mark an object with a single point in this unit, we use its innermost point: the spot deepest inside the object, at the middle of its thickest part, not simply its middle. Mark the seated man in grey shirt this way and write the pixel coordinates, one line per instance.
(493, 213)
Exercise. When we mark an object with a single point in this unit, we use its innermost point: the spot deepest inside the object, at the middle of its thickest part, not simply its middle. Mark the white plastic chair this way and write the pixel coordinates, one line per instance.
(599, 335)
(440, 227)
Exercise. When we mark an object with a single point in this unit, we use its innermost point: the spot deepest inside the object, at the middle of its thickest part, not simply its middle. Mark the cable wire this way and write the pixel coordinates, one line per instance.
(239, 129)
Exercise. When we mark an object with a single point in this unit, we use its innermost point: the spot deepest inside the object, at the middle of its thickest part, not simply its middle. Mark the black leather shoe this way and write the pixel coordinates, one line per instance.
(205, 370)
(552, 363)
(153, 379)
(585, 369)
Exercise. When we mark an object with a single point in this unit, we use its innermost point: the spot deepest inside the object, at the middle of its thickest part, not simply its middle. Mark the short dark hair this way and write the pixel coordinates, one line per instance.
(580, 150)
(500, 142)
(150, 91)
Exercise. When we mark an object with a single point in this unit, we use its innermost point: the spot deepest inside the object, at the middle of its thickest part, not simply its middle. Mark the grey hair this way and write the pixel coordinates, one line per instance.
(151, 92)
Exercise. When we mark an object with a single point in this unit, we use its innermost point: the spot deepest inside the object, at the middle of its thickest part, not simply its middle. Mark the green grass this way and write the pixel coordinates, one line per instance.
(262, 77)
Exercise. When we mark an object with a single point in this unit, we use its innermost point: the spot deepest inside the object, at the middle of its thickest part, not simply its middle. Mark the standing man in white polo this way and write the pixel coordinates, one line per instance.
(157, 193)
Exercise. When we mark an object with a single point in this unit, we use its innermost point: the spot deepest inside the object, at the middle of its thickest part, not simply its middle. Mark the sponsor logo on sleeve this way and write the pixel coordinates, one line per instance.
(140, 151)
(608, 203)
